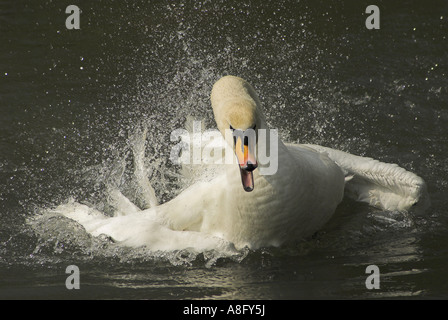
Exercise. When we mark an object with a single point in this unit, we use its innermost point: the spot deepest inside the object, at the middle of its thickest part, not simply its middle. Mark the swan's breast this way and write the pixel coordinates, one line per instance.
(289, 205)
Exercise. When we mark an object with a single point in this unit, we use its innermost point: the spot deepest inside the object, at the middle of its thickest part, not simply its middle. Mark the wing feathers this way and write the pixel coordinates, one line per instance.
(383, 185)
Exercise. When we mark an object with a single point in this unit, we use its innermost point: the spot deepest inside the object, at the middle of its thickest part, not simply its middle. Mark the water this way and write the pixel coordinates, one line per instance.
(73, 102)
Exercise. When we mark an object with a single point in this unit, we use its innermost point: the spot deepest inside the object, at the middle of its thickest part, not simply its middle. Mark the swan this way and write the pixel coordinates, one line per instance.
(241, 206)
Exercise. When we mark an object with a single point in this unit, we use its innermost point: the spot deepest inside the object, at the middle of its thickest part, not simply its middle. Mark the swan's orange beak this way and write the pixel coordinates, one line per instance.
(245, 153)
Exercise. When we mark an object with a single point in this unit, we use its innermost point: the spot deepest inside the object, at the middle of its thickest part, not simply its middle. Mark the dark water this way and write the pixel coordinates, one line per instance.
(71, 101)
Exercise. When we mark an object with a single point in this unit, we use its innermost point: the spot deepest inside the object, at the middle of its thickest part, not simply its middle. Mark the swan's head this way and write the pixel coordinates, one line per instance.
(237, 118)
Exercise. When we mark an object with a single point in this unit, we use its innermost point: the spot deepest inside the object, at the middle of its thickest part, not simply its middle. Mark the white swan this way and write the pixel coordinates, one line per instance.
(283, 207)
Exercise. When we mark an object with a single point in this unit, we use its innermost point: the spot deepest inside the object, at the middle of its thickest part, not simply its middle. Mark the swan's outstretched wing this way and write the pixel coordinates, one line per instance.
(137, 229)
(382, 185)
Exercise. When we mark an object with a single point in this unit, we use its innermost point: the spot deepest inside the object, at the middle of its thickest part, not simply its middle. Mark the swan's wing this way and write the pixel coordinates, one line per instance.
(138, 229)
(382, 185)
(188, 209)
